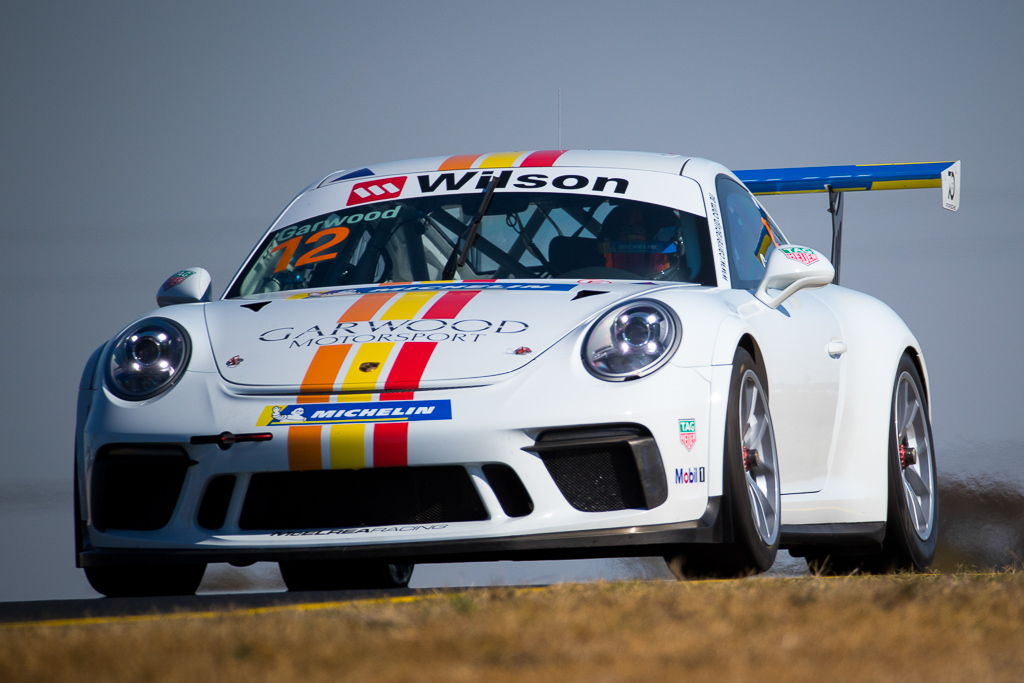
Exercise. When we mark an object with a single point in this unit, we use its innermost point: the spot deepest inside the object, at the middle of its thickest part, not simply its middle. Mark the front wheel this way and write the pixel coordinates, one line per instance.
(143, 580)
(911, 527)
(750, 467)
(320, 575)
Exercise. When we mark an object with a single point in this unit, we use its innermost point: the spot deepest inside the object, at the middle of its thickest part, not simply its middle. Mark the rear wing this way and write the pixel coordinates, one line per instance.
(838, 179)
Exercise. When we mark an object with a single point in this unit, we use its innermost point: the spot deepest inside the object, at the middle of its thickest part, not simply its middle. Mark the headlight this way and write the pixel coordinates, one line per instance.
(147, 359)
(631, 341)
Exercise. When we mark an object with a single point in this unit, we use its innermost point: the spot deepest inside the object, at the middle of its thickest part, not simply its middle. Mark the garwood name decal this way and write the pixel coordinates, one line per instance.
(354, 413)
(452, 182)
(429, 329)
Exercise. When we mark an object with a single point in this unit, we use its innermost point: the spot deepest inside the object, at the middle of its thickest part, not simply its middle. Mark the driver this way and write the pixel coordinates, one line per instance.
(641, 238)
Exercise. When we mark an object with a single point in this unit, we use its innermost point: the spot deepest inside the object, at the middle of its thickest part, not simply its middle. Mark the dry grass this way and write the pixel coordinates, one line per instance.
(908, 628)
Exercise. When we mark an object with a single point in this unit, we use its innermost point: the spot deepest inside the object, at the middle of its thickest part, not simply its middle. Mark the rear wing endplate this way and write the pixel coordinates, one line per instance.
(838, 179)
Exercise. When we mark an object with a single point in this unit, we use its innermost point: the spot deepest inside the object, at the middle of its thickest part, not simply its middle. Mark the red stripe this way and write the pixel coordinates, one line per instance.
(544, 157)
(408, 368)
(449, 305)
(391, 444)
(391, 440)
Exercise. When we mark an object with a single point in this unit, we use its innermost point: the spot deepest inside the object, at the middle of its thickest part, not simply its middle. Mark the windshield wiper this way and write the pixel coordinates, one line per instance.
(458, 256)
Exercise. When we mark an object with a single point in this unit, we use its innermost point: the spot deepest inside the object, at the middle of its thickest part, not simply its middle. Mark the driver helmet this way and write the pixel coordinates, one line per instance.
(640, 238)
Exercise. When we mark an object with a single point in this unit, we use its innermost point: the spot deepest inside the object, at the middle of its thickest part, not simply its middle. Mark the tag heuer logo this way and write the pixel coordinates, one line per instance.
(688, 432)
(801, 254)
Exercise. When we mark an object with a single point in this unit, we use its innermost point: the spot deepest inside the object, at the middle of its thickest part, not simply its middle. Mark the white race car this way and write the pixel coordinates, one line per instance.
(549, 354)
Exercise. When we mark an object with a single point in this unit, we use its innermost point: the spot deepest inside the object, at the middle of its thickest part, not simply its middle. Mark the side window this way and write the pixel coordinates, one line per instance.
(747, 236)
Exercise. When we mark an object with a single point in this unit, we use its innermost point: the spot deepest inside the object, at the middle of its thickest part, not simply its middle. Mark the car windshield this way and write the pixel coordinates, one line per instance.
(523, 235)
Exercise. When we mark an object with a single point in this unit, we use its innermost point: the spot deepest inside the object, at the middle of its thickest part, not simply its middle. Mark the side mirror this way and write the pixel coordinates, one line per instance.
(792, 268)
(187, 286)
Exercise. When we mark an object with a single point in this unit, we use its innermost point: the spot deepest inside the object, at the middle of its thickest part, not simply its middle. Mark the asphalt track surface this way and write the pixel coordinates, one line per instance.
(110, 610)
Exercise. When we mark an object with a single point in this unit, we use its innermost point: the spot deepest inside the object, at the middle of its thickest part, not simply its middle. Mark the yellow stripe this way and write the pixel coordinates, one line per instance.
(905, 184)
(347, 442)
(407, 306)
(501, 160)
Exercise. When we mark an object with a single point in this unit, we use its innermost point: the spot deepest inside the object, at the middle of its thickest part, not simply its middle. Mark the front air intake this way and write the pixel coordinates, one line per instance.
(598, 469)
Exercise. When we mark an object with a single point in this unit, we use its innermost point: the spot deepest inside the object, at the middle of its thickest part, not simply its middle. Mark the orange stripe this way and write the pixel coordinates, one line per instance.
(304, 450)
(365, 307)
(459, 161)
(322, 373)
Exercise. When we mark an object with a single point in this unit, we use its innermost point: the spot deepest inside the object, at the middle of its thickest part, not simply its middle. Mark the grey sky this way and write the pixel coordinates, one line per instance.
(139, 138)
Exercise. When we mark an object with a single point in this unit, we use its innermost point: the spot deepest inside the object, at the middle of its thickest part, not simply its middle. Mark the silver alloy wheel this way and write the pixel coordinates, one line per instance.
(914, 449)
(760, 461)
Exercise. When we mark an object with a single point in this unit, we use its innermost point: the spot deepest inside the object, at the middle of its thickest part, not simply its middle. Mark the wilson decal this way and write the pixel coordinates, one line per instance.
(479, 180)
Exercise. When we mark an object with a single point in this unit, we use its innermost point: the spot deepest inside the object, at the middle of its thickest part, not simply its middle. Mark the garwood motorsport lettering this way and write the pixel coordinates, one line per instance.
(430, 329)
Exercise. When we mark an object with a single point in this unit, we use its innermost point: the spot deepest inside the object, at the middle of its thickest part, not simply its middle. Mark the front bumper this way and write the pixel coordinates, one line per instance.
(500, 424)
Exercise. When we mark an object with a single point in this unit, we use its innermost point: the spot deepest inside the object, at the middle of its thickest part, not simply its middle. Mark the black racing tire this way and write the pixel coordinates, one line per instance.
(143, 580)
(754, 515)
(912, 517)
(323, 575)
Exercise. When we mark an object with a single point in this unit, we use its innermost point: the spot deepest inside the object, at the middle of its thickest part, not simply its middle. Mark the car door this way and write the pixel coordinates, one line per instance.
(795, 340)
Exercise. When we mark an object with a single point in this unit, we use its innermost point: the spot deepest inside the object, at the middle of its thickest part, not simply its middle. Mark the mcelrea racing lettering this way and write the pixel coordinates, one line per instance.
(452, 182)
(363, 530)
(354, 413)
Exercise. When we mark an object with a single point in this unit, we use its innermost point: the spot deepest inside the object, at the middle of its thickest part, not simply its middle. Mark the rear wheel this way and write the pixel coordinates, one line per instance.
(309, 575)
(751, 485)
(911, 527)
(141, 580)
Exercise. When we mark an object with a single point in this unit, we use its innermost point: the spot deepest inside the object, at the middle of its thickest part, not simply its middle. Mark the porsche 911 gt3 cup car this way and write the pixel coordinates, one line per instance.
(549, 354)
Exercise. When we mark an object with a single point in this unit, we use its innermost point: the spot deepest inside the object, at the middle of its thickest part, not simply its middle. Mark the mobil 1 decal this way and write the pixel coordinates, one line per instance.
(529, 179)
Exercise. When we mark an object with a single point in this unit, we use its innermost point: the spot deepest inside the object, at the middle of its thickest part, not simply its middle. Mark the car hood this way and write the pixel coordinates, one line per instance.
(400, 336)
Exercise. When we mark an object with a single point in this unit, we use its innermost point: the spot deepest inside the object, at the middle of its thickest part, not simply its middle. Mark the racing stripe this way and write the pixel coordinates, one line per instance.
(407, 306)
(365, 307)
(348, 442)
(544, 157)
(391, 441)
(458, 162)
(500, 160)
(449, 305)
(304, 452)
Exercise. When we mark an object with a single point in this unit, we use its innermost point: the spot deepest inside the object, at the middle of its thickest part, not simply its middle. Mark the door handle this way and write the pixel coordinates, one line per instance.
(836, 348)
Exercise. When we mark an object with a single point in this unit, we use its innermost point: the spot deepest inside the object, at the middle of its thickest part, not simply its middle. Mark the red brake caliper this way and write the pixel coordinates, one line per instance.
(908, 456)
(749, 459)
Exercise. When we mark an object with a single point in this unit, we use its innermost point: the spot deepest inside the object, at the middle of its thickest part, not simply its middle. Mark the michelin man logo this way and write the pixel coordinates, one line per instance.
(296, 415)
